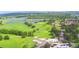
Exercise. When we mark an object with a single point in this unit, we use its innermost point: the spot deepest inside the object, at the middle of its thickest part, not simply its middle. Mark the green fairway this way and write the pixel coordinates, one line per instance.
(16, 26)
(16, 42)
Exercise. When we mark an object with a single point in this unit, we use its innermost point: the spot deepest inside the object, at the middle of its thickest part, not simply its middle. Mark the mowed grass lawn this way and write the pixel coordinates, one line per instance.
(27, 42)
(16, 42)
(16, 26)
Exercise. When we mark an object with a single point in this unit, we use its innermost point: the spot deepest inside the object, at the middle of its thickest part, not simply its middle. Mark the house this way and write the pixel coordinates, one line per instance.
(50, 43)
(64, 45)
(71, 21)
(45, 43)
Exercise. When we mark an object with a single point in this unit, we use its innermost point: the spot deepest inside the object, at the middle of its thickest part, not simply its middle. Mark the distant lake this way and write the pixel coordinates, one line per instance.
(13, 20)
(21, 20)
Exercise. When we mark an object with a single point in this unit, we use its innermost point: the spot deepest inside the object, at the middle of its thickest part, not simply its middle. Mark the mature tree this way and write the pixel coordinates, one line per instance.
(6, 37)
(1, 37)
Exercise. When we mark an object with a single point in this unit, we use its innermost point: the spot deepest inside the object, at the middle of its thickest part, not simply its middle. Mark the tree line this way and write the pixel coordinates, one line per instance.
(16, 32)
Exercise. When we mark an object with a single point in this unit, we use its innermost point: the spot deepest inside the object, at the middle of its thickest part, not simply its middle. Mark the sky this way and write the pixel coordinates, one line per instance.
(4, 12)
(39, 5)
